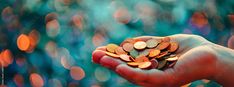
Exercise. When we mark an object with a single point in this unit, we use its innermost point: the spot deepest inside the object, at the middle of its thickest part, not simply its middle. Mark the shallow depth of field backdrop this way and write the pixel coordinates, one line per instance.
(58, 36)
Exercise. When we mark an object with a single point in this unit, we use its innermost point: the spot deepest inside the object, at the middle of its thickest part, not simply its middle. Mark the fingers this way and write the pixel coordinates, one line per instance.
(99, 56)
(110, 62)
(133, 75)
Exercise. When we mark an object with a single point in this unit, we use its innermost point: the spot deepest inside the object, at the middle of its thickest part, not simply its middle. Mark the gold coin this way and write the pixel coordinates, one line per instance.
(125, 57)
(154, 53)
(134, 64)
(111, 48)
(140, 45)
(151, 43)
(112, 54)
(173, 47)
(172, 58)
(144, 65)
(128, 47)
(119, 50)
(163, 45)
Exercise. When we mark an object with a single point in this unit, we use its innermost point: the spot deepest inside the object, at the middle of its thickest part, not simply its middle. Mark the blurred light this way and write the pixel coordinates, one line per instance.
(19, 80)
(77, 73)
(36, 80)
(20, 61)
(187, 31)
(55, 83)
(52, 28)
(73, 84)
(199, 19)
(23, 42)
(51, 49)
(231, 42)
(7, 57)
(34, 37)
(78, 21)
(98, 39)
(102, 74)
(95, 85)
(51, 16)
(122, 15)
(65, 62)
(200, 85)
(7, 14)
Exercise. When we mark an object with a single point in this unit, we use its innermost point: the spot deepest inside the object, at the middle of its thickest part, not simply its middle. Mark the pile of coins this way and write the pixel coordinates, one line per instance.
(150, 54)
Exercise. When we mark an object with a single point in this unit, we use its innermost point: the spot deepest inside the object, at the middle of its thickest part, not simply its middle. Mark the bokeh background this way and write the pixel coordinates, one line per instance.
(63, 33)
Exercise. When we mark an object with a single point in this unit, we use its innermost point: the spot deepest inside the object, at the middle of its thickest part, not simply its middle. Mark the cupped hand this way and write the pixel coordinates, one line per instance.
(196, 61)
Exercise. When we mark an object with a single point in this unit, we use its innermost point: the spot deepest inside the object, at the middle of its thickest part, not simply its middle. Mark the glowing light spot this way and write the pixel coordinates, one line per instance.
(55, 83)
(36, 80)
(19, 80)
(77, 73)
(122, 15)
(7, 57)
(23, 42)
(7, 14)
(34, 37)
(52, 28)
(102, 74)
(78, 21)
(199, 19)
(65, 62)
(98, 39)
(51, 16)
(51, 49)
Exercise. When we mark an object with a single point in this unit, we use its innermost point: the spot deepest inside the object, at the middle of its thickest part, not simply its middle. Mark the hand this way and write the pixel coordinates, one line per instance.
(197, 60)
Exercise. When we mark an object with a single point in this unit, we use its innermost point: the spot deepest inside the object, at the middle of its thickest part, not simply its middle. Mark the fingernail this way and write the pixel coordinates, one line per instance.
(109, 62)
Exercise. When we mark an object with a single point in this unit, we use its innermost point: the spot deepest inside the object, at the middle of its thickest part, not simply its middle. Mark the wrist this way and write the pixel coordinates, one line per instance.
(224, 65)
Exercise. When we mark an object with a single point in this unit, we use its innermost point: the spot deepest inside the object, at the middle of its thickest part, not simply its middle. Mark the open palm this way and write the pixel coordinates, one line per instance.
(196, 61)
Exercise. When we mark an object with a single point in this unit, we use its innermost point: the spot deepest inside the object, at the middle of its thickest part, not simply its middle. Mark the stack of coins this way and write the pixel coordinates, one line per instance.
(150, 54)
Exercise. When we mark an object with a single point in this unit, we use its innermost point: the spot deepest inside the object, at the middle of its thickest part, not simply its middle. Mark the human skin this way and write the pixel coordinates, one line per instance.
(198, 59)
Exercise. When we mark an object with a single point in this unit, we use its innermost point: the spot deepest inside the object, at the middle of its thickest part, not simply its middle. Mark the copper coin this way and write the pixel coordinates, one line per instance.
(166, 39)
(172, 59)
(139, 45)
(112, 54)
(154, 53)
(141, 59)
(173, 47)
(134, 53)
(162, 54)
(151, 43)
(111, 48)
(133, 59)
(144, 65)
(154, 64)
(144, 52)
(119, 50)
(128, 47)
(125, 57)
(128, 40)
(161, 64)
(163, 45)
(134, 64)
